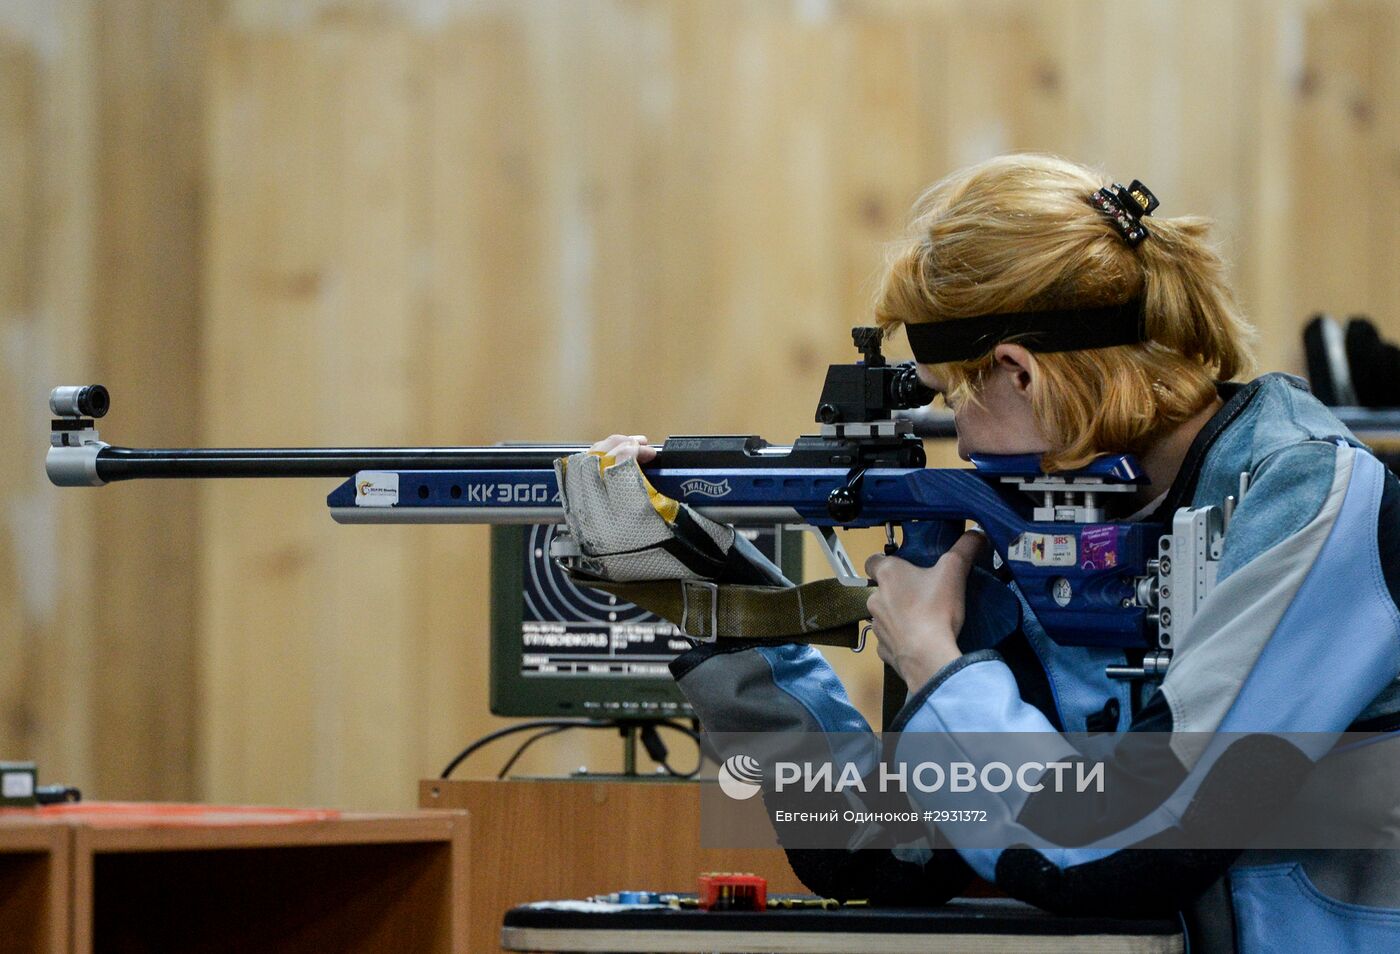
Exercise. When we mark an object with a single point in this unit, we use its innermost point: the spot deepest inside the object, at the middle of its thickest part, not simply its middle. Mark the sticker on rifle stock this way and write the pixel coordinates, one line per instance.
(376, 488)
(1043, 549)
(1098, 548)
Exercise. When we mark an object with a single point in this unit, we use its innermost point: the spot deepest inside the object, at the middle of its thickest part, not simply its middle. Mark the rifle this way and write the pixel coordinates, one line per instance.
(1090, 580)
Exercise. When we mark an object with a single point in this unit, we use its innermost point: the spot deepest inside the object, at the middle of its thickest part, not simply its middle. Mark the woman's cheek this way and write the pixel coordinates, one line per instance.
(971, 432)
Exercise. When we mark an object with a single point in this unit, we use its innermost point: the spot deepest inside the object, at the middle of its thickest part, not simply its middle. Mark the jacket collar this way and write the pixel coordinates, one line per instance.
(1237, 397)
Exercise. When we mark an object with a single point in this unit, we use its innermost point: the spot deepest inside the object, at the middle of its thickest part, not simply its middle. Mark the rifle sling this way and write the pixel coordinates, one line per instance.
(825, 612)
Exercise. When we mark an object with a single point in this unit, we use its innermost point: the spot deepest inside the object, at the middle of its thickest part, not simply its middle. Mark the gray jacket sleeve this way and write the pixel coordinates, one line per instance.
(781, 690)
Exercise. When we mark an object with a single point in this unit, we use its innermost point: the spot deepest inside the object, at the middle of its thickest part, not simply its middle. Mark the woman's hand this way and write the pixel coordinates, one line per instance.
(919, 612)
(625, 447)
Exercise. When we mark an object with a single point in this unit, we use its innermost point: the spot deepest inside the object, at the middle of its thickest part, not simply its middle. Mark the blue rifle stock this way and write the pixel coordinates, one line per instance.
(1081, 575)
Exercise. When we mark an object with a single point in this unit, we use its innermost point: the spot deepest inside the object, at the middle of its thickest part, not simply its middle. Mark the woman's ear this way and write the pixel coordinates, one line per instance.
(1016, 362)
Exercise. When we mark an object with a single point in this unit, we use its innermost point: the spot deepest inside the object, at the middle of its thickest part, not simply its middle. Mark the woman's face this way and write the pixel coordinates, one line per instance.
(1001, 420)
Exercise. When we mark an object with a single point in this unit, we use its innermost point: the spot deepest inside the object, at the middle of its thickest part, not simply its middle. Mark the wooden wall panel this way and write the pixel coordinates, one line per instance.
(149, 68)
(47, 579)
(101, 107)
(482, 231)
(20, 632)
(1332, 142)
(334, 221)
(1347, 146)
(1264, 231)
(307, 624)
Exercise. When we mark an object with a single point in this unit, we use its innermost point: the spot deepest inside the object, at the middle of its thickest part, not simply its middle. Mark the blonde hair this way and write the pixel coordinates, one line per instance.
(1017, 233)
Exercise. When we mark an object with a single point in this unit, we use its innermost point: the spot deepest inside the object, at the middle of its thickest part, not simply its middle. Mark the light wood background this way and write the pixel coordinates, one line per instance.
(401, 221)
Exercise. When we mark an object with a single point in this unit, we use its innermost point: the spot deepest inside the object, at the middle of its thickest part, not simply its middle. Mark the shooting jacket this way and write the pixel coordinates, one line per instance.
(1301, 634)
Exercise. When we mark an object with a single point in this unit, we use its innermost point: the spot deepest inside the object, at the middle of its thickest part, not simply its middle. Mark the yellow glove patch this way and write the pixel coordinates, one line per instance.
(662, 504)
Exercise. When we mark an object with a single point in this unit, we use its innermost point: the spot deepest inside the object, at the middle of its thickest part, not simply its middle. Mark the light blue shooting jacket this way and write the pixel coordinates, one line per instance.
(1301, 634)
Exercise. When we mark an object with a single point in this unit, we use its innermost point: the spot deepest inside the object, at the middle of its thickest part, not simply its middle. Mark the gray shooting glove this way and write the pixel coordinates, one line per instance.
(627, 531)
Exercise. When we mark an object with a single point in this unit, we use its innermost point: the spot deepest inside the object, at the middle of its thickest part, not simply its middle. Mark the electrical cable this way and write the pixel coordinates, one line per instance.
(694, 737)
(521, 727)
(510, 763)
(555, 726)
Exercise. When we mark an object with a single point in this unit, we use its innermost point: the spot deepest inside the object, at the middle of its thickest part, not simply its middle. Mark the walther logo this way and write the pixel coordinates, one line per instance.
(739, 777)
(705, 488)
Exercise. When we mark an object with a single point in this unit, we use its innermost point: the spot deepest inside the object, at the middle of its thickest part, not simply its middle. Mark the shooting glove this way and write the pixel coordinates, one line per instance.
(627, 531)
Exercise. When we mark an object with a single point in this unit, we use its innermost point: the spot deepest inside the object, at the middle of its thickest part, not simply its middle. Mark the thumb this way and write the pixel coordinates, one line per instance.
(967, 549)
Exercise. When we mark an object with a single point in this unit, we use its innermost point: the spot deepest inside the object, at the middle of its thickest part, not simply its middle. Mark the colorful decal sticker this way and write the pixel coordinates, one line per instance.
(1098, 547)
(1043, 549)
(376, 488)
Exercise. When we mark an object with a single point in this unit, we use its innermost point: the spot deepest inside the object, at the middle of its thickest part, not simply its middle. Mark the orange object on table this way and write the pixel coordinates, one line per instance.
(728, 891)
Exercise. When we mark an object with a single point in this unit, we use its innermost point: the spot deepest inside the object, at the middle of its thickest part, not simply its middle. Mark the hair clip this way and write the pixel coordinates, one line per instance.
(1126, 208)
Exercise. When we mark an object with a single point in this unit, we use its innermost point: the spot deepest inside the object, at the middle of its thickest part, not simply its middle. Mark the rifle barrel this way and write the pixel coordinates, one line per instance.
(93, 464)
(129, 463)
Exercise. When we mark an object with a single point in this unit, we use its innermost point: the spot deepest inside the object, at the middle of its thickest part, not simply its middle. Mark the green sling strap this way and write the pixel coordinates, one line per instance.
(825, 612)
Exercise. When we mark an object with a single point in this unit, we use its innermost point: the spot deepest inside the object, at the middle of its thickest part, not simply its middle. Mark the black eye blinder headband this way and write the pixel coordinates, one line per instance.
(1072, 329)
